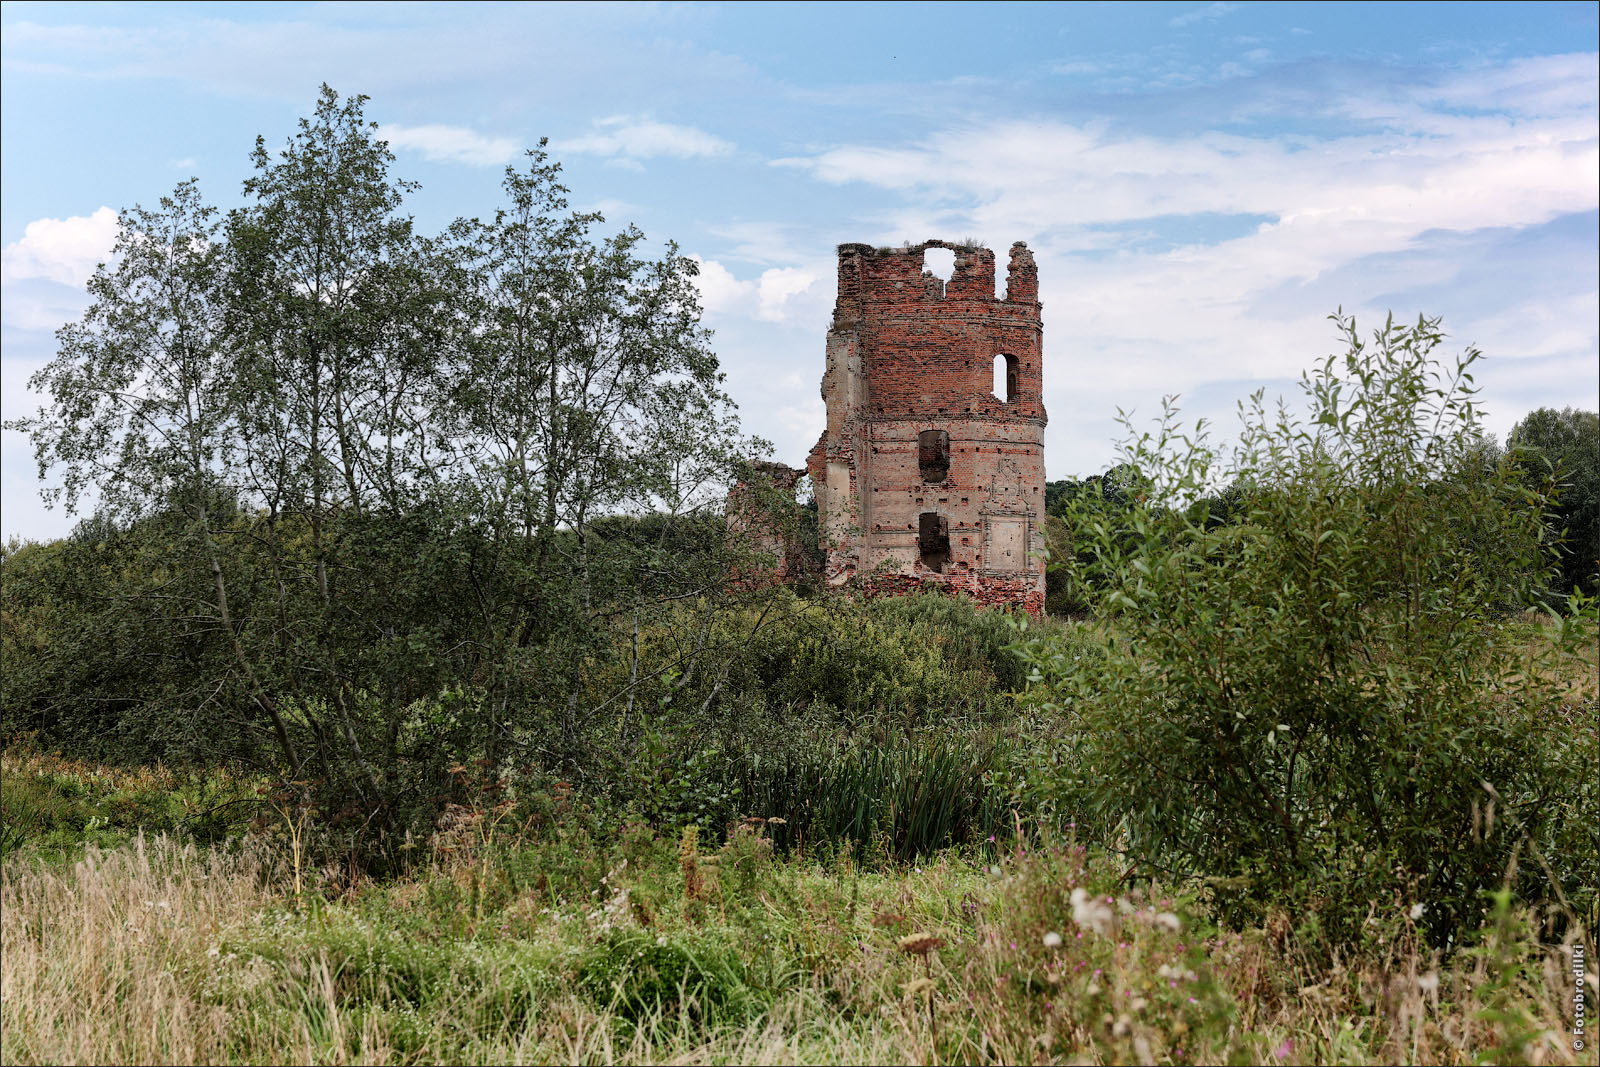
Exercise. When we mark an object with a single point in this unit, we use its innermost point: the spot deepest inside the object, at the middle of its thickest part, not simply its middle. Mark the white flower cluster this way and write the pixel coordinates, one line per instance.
(1093, 913)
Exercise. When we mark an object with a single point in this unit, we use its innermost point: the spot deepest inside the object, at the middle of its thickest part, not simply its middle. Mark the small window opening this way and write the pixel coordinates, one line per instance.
(1005, 377)
(933, 541)
(933, 455)
(940, 262)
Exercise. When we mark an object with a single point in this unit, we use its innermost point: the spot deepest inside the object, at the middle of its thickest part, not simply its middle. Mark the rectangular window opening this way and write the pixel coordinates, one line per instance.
(933, 455)
(933, 541)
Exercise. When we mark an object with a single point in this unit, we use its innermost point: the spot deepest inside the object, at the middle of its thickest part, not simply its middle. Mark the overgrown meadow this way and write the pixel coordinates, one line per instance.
(404, 696)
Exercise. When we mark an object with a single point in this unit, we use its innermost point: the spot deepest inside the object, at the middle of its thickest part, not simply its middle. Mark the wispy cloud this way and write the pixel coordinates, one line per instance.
(1202, 14)
(768, 243)
(452, 144)
(1365, 219)
(632, 138)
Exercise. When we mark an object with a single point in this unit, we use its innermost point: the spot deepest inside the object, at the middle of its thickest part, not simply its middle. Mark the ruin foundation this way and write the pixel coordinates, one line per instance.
(931, 470)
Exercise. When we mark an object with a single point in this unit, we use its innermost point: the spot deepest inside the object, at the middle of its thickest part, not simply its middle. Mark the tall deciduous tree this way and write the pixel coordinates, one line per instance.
(389, 455)
(583, 385)
(1566, 443)
(145, 408)
(331, 316)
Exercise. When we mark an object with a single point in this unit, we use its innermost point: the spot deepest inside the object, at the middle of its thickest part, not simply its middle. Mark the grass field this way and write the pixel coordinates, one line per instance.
(574, 946)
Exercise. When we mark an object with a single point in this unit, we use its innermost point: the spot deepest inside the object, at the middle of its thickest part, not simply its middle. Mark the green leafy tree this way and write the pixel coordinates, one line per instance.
(1312, 701)
(581, 387)
(144, 411)
(393, 503)
(331, 315)
(1566, 444)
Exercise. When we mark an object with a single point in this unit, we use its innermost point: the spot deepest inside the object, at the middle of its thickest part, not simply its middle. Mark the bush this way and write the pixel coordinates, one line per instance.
(639, 977)
(1312, 701)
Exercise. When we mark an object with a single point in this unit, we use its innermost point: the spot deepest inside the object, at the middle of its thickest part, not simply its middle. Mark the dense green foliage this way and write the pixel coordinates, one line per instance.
(54, 807)
(362, 495)
(1566, 445)
(1313, 700)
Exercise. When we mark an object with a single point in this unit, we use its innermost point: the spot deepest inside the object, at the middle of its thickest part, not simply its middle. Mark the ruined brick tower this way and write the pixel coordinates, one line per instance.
(931, 469)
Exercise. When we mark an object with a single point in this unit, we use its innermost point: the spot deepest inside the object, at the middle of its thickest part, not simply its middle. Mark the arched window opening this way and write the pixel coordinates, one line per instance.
(1005, 377)
(933, 455)
(939, 262)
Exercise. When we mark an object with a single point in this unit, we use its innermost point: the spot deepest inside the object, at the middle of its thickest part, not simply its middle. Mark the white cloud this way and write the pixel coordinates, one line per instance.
(1536, 85)
(720, 291)
(1202, 14)
(614, 210)
(765, 242)
(777, 288)
(452, 144)
(803, 417)
(785, 295)
(41, 305)
(60, 250)
(629, 138)
(1079, 66)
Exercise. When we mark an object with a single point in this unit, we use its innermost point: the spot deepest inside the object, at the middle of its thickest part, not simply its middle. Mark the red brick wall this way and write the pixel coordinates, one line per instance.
(909, 352)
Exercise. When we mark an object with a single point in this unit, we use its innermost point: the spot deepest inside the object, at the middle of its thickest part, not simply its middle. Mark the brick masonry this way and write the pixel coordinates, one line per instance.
(931, 469)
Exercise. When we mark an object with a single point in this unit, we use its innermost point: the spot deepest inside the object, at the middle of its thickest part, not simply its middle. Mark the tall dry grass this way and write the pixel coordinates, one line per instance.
(162, 953)
(104, 957)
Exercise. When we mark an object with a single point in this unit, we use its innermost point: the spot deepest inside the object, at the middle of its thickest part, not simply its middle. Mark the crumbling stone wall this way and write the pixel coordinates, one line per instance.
(931, 468)
(763, 526)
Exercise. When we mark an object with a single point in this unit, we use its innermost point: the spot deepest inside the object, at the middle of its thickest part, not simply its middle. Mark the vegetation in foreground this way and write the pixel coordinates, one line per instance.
(411, 548)
(567, 945)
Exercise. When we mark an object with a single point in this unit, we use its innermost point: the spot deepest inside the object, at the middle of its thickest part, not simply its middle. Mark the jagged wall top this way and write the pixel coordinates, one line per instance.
(869, 272)
(906, 344)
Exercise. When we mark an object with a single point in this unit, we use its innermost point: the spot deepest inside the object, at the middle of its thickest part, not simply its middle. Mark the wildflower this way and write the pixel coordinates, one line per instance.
(1093, 989)
(1052, 940)
(1285, 1050)
(1417, 910)
(1090, 913)
(1169, 921)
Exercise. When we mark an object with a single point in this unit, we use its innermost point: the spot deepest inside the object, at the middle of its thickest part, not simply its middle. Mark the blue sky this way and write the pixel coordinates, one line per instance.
(1202, 183)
